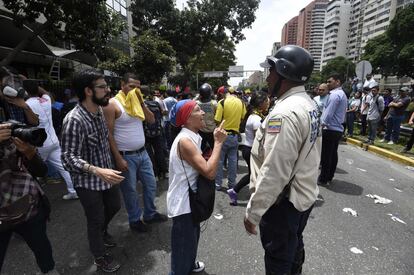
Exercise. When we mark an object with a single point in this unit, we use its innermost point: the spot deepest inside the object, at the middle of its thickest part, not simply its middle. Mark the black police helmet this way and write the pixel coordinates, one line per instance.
(291, 62)
(205, 90)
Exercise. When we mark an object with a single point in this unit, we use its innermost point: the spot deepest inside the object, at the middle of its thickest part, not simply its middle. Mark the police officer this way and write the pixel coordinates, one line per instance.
(284, 163)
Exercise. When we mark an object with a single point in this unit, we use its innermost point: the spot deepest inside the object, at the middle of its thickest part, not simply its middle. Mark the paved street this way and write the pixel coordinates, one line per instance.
(387, 244)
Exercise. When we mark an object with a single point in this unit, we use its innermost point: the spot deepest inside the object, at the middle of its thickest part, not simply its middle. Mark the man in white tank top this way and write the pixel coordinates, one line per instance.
(127, 141)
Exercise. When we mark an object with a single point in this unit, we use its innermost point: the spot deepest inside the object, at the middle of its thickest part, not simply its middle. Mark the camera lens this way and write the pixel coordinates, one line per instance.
(34, 136)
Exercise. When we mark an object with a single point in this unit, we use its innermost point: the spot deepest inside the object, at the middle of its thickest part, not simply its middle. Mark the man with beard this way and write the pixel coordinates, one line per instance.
(86, 155)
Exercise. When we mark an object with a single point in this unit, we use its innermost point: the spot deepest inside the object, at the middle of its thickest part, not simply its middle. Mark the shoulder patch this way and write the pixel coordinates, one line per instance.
(274, 125)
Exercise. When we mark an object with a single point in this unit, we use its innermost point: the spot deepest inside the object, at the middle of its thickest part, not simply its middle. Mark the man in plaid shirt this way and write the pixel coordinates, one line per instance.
(86, 155)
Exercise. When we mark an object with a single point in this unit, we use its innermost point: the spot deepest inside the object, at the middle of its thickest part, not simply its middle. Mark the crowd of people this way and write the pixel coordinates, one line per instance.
(379, 112)
(108, 141)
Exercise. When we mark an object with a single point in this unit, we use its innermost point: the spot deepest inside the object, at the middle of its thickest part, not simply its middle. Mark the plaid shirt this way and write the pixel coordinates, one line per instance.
(15, 178)
(85, 140)
(16, 113)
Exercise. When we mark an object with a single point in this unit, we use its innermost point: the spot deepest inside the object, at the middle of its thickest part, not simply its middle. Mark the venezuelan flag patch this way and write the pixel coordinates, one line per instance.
(274, 125)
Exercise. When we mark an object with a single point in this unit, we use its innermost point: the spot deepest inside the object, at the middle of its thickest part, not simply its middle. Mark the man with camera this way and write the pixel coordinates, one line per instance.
(23, 208)
(12, 93)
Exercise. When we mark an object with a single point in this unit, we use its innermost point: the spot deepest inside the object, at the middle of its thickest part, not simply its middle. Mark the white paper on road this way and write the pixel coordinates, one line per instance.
(392, 179)
(349, 161)
(396, 219)
(396, 189)
(376, 248)
(410, 168)
(360, 169)
(350, 211)
(356, 250)
(378, 199)
(218, 216)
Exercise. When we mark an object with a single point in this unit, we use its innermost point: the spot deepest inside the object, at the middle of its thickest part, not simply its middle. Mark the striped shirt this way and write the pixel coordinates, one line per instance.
(85, 141)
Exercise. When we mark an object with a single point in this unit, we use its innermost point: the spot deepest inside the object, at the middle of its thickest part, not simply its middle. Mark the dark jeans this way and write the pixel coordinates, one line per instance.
(372, 129)
(155, 149)
(184, 243)
(350, 118)
(393, 128)
(34, 233)
(245, 180)
(410, 142)
(207, 140)
(167, 133)
(329, 157)
(281, 229)
(363, 125)
(100, 207)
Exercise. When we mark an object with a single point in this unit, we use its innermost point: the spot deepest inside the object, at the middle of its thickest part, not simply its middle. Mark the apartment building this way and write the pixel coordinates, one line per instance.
(336, 30)
(315, 44)
(290, 32)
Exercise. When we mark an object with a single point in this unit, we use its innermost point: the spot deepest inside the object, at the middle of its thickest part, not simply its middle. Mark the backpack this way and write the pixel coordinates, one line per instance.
(154, 129)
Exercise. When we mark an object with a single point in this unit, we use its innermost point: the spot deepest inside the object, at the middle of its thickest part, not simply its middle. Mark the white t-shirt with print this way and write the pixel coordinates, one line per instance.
(42, 106)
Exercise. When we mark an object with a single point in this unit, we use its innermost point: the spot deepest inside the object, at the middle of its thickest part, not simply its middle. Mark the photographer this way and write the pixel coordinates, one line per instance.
(12, 93)
(23, 207)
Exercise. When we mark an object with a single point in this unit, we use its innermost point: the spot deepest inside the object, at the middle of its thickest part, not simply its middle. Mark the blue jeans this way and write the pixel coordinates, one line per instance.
(184, 243)
(393, 128)
(139, 165)
(230, 149)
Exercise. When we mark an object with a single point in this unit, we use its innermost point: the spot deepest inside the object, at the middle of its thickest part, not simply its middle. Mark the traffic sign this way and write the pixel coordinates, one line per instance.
(362, 69)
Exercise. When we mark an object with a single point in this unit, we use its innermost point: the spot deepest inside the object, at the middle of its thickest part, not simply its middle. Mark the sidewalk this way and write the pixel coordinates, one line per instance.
(382, 152)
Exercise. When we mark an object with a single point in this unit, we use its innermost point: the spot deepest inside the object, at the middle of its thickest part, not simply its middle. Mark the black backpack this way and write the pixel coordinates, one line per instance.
(154, 129)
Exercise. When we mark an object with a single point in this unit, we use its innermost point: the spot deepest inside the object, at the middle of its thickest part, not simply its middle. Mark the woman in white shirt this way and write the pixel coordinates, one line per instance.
(258, 107)
(186, 163)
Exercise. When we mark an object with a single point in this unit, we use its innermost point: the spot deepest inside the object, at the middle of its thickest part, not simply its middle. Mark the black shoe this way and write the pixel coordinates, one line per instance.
(108, 240)
(321, 183)
(139, 226)
(107, 263)
(158, 217)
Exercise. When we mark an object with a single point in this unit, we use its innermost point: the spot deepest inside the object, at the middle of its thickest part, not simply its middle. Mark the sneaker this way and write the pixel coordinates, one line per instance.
(383, 140)
(108, 240)
(107, 263)
(70, 196)
(233, 196)
(390, 142)
(138, 226)
(198, 267)
(158, 217)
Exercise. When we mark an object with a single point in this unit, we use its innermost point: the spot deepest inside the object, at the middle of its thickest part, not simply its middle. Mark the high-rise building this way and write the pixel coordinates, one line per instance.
(403, 3)
(355, 29)
(290, 32)
(336, 27)
(305, 20)
(315, 44)
(122, 42)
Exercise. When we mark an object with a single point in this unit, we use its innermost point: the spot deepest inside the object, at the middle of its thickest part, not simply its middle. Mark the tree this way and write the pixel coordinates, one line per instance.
(340, 65)
(392, 53)
(153, 58)
(191, 30)
(380, 52)
(89, 25)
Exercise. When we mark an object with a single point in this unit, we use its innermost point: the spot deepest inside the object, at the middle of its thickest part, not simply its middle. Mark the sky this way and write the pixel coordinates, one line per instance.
(267, 29)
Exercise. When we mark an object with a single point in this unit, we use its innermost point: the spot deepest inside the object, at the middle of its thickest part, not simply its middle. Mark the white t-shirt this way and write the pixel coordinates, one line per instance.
(252, 124)
(178, 202)
(42, 106)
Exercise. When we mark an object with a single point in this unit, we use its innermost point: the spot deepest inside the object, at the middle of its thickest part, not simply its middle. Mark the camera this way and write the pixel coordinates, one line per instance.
(33, 135)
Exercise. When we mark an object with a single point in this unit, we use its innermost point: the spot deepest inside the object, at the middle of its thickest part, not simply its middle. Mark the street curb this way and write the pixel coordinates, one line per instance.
(382, 152)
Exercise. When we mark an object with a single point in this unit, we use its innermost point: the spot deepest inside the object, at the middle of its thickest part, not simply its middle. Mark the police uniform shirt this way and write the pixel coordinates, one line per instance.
(287, 145)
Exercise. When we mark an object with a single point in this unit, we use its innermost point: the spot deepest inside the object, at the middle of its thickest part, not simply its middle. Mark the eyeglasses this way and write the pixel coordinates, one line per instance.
(102, 86)
(321, 90)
